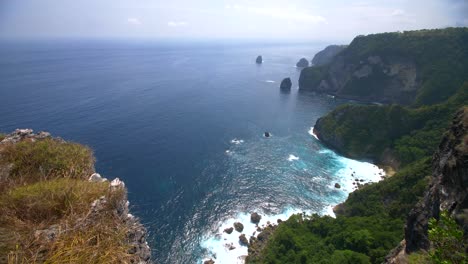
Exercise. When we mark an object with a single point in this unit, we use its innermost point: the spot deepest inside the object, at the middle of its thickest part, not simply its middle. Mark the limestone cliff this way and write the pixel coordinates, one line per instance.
(404, 68)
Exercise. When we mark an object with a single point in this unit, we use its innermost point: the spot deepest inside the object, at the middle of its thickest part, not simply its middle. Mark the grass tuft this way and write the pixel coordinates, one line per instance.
(34, 161)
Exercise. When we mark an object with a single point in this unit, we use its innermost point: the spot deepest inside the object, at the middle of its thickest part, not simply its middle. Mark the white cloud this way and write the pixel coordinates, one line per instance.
(177, 23)
(291, 14)
(133, 21)
(397, 12)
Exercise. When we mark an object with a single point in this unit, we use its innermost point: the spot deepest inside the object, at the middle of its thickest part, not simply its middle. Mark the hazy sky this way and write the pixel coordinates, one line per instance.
(206, 19)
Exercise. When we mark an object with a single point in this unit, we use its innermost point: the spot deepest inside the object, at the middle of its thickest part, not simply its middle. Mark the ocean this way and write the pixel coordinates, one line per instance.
(182, 123)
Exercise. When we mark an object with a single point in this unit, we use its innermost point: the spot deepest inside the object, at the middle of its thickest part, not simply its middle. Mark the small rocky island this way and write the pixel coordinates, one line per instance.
(259, 59)
(302, 63)
(286, 84)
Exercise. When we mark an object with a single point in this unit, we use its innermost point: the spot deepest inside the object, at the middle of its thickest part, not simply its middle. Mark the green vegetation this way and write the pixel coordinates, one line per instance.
(368, 225)
(447, 240)
(371, 221)
(440, 56)
(45, 207)
(366, 131)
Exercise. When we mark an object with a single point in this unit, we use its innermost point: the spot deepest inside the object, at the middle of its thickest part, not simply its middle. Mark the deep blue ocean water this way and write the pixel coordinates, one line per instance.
(182, 124)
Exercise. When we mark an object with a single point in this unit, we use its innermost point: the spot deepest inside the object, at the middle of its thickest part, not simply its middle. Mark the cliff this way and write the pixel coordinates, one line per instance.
(388, 134)
(54, 208)
(326, 55)
(447, 191)
(412, 67)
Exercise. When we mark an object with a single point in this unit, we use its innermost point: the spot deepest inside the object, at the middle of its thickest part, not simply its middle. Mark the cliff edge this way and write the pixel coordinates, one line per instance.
(55, 208)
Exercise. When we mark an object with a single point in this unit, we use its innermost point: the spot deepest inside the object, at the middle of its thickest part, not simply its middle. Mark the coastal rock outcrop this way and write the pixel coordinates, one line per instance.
(255, 218)
(286, 84)
(259, 60)
(228, 230)
(302, 63)
(243, 240)
(239, 227)
(325, 56)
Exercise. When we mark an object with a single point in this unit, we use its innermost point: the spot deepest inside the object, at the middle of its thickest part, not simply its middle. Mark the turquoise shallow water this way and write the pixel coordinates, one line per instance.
(162, 116)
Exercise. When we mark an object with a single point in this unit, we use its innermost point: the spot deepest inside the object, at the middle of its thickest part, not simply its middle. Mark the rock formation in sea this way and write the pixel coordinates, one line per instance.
(325, 56)
(259, 60)
(255, 218)
(286, 84)
(239, 227)
(243, 240)
(109, 212)
(229, 230)
(302, 63)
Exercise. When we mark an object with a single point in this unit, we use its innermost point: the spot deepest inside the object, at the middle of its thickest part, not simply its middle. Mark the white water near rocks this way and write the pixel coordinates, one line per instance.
(226, 248)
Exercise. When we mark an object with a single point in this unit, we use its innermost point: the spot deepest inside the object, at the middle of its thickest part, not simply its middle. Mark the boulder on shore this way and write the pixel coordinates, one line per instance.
(337, 185)
(286, 84)
(255, 218)
(243, 240)
(210, 261)
(259, 59)
(302, 63)
(238, 226)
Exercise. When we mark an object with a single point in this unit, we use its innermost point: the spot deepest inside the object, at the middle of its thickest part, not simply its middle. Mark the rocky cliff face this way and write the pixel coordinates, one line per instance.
(376, 78)
(325, 56)
(412, 67)
(448, 189)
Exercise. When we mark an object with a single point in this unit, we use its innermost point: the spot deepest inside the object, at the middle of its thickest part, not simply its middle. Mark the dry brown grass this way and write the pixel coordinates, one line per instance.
(47, 187)
(44, 160)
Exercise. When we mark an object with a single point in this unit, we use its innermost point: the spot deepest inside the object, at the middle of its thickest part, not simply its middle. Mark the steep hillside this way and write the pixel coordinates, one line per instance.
(390, 134)
(413, 67)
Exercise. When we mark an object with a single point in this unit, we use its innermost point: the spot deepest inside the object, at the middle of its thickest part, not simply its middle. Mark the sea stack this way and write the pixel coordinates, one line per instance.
(259, 59)
(286, 84)
(302, 63)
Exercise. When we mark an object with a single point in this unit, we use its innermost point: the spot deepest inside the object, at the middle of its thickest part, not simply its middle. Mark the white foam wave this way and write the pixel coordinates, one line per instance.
(354, 172)
(237, 141)
(226, 249)
(218, 244)
(270, 81)
(311, 132)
